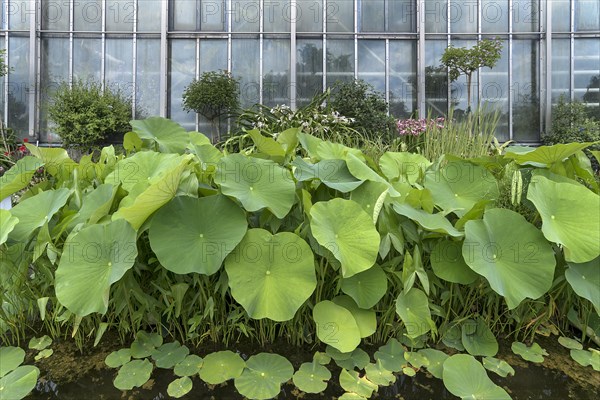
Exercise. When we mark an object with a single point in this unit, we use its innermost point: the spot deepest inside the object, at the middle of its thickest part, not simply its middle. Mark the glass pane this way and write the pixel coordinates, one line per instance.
(309, 15)
(55, 15)
(403, 78)
(371, 13)
(86, 58)
(245, 15)
(371, 63)
(436, 17)
(148, 14)
(587, 72)
(525, 79)
(494, 16)
(309, 69)
(463, 16)
(120, 15)
(277, 16)
(587, 15)
(18, 102)
(340, 61)
(212, 15)
(3, 20)
(181, 72)
(459, 88)
(436, 78)
(561, 64)
(494, 92)
(402, 16)
(118, 70)
(53, 73)
(147, 81)
(246, 68)
(526, 16)
(561, 16)
(18, 14)
(87, 15)
(213, 55)
(184, 14)
(276, 72)
(339, 15)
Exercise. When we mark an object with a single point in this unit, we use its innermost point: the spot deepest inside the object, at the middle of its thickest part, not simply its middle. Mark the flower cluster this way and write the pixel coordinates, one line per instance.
(417, 127)
(11, 154)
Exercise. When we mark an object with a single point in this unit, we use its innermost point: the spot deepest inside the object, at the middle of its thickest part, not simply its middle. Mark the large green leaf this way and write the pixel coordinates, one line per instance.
(431, 222)
(367, 287)
(511, 254)
(358, 359)
(377, 374)
(189, 366)
(267, 145)
(169, 354)
(118, 358)
(35, 211)
(459, 185)
(168, 136)
(589, 357)
(413, 309)
(257, 183)
(336, 326)
(312, 377)
(195, 235)
(133, 374)
(95, 205)
(391, 355)
(570, 217)
(11, 358)
(546, 155)
(19, 383)
(221, 366)
(180, 387)
(403, 166)
(145, 343)
(585, 280)
(435, 361)
(263, 376)
(366, 320)
(351, 381)
(342, 227)
(7, 224)
(92, 260)
(533, 353)
(144, 168)
(499, 367)
(449, 264)
(271, 276)
(333, 173)
(478, 339)
(56, 160)
(19, 176)
(465, 377)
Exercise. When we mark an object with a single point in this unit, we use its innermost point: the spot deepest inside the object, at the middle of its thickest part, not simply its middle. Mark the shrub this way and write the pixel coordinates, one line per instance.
(570, 123)
(86, 116)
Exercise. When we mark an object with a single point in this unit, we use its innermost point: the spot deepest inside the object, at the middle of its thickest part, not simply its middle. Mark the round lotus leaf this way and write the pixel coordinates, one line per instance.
(133, 374)
(570, 217)
(271, 276)
(207, 228)
(449, 264)
(43, 354)
(180, 387)
(366, 320)
(7, 224)
(141, 169)
(459, 185)
(416, 360)
(465, 377)
(19, 383)
(322, 358)
(413, 309)
(358, 359)
(36, 211)
(221, 366)
(403, 166)
(11, 358)
(587, 357)
(569, 343)
(169, 354)
(257, 183)
(342, 227)
(379, 375)
(478, 339)
(499, 367)
(312, 378)
(163, 134)
(391, 356)
(452, 336)
(118, 358)
(337, 355)
(189, 366)
(92, 260)
(40, 343)
(367, 287)
(263, 376)
(585, 280)
(511, 254)
(336, 326)
(435, 360)
(351, 381)
(533, 353)
(144, 344)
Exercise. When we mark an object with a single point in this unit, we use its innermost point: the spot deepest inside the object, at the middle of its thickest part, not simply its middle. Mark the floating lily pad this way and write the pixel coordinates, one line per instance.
(169, 354)
(587, 357)
(144, 344)
(336, 326)
(417, 360)
(180, 387)
(569, 343)
(189, 366)
(263, 376)
(379, 375)
(436, 360)
(351, 396)
(40, 343)
(452, 337)
(312, 377)
(391, 356)
(133, 374)
(499, 367)
(408, 371)
(118, 358)
(366, 288)
(358, 359)
(534, 353)
(323, 358)
(478, 339)
(465, 377)
(351, 381)
(43, 354)
(19, 383)
(413, 309)
(11, 358)
(221, 366)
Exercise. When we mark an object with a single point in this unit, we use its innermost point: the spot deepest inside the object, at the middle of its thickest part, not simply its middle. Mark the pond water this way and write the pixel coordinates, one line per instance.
(67, 375)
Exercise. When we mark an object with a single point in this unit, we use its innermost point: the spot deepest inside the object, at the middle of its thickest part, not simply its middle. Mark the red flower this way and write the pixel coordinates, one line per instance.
(26, 140)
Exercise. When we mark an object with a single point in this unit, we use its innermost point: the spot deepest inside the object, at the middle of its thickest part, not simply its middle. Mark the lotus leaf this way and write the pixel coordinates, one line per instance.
(465, 377)
(511, 254)
(190, 223)
(587, 357)
(534, 353)
(366, 320)
(267, 145)
(19, 175)
(368, 194)
(403, 166)
(40, 343)
(358, 359)
(323, 358)
(333, 174)
(391, 356)
(144, 168)
(366, 288)
(332, 151)
(449, 264)
(351, 396)
(289, 139)
(452, 337)
(118, 358)
(569, 343)
(342, 227)
(408, 371)
(145, 343)
(431, 222)
(413, 309)
(11, 358)
(263, 376)
(585, 280)
(133, 374)
(271, 276)
(570, 217)
(221, 366)
(312, 378)
(379, 375)
(7, 224)
(180, 387)
(436, 360)
(417, 360)
(336, 326)
(478, 339)
(35, 211)
(351, 381)
(189, 366)
(19, 383)
(169, 354)
(545, 155)
(163, 134)
(43, 354)
(499, 367)
(337, 355)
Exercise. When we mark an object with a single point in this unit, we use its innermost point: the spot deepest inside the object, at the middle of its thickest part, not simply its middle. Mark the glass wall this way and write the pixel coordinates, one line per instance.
(286, 51)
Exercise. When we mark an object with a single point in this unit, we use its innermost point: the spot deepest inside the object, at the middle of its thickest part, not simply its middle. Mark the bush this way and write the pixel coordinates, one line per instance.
(86, 116)
(368, 108)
